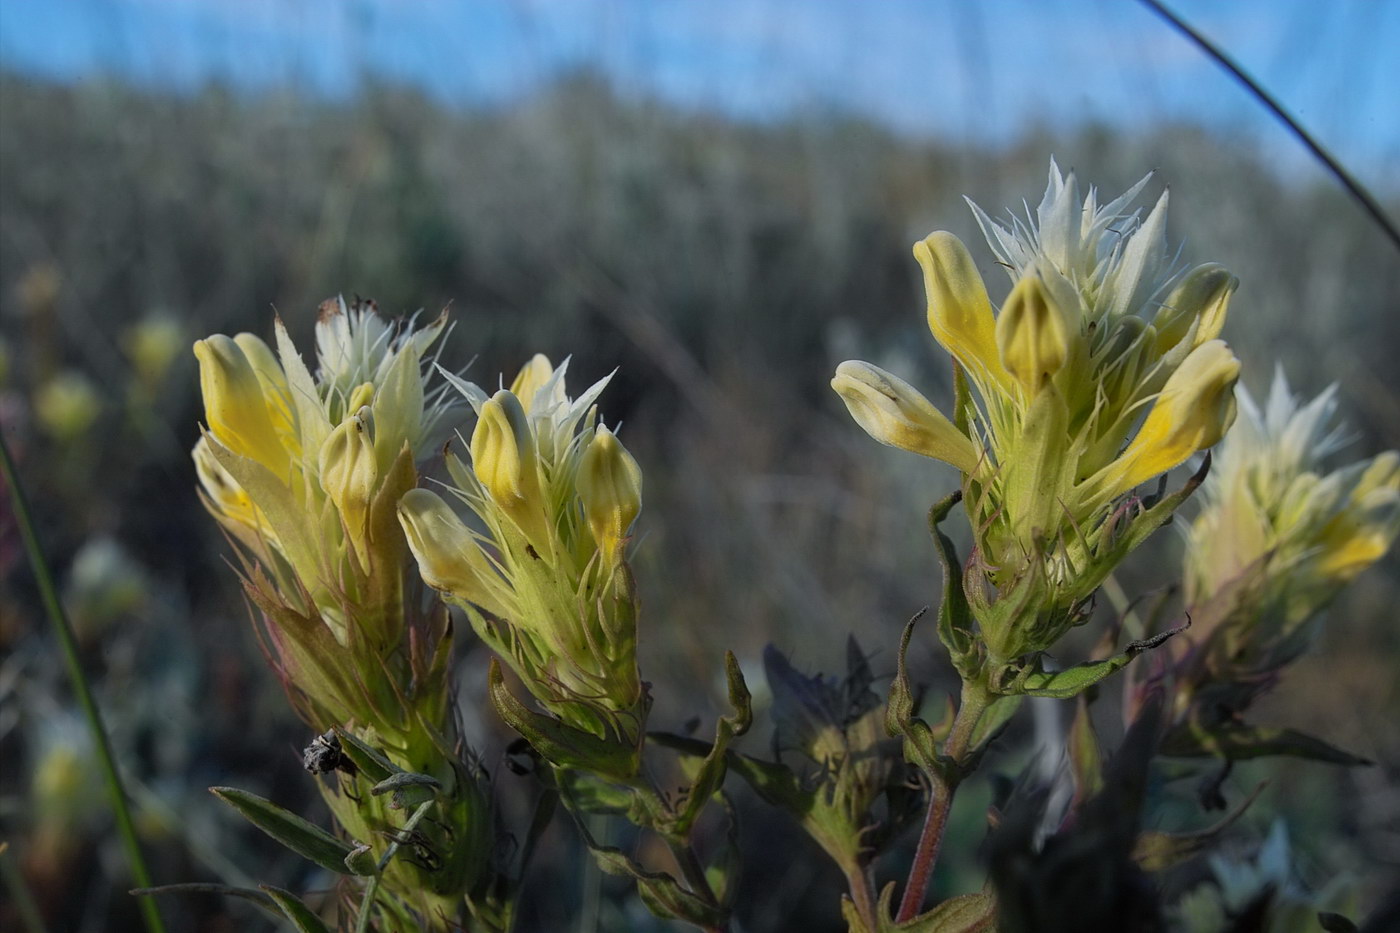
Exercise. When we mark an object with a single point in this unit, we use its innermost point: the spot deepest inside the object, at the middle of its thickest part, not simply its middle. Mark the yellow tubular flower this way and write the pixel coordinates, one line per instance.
(448, 556)
(895, 414)
(610, 485)
(505, 462)
(531, 378)
(959, 312)
(350, 475)
(235, 403)
(1193, 412)
(1197, 306)
(1033, 334)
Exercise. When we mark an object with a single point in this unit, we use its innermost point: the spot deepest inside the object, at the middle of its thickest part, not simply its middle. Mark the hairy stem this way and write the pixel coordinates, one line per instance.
(68, 643)
(944, 780)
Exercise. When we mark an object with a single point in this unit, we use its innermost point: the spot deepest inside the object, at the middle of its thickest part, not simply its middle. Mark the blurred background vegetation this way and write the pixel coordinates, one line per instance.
(724, 262)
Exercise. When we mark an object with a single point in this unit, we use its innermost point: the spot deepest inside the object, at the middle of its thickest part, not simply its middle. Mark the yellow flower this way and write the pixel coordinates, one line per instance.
(1193, 412)
(897, 415)
(505, 461)
(1279, 534)
(610, 487)
(1100, 371)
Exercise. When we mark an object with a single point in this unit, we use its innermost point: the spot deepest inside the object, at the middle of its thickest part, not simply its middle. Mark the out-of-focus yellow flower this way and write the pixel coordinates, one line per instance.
(151, 345)
(1100, 372)
(67, 405)
(1279, 534)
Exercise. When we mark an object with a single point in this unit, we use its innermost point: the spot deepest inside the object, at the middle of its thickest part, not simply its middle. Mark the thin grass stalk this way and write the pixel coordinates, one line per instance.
(68, 645)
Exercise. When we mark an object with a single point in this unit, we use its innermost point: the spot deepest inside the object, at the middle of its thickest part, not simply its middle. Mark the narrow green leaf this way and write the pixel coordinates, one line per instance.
(201, 887)
(301, 916)
(372, 764)
(304, 838)
(954, 614)
(1237, 742)
(900, 719)
(967, 913)
(710, 775)
(1085, 759)
(1070, 682)
(993, 719)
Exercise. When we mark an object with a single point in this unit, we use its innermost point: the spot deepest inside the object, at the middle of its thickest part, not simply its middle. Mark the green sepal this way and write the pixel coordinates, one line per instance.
(1035, 681)
(1238, 741)
(662, 894)
(967, 913)
(901, 721)
(1158, 851)
(304, 838)
(362, 861)
(409, 789)
(710, 775)
(954, 614)
(560, 744)
(301, 916)
(1033, 479)
(372, 764)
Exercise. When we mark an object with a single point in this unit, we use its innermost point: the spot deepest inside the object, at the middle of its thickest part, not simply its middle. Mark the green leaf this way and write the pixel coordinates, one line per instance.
(1085, 759)
(301, 916)
(1070, 682)
(954, 615)
(1238, 741)
(304, 838)
(900, 719)
(710, 775)
(559, 743)
(409, 789)
(223, 890)
(371, 763)
(967, 913)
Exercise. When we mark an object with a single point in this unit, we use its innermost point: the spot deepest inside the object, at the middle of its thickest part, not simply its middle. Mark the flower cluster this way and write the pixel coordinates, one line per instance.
(1101, 371)
(1279, 534)
(544, 577)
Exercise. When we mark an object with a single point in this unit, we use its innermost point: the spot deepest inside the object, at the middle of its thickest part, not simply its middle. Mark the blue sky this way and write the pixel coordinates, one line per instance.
(955, 68)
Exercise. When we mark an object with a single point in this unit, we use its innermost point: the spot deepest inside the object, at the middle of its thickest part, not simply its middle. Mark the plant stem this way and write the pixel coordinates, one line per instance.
(694, 875)
(975, 699)
(372, 888)
(68, 644)
(862, 895)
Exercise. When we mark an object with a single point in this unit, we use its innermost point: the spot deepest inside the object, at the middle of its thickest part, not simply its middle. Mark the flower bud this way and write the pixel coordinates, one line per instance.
(507, 465)
(531, 378)
(235, 405)
(610, 485)
(448, 556)
(959, 312)
(1194, 410)
(1200, 301)
(895, 414)
(1033, 334)
(349, 473)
